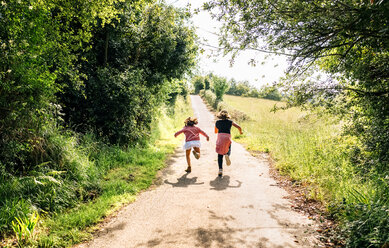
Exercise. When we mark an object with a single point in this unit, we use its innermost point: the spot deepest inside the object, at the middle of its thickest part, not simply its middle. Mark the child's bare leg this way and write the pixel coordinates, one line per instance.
(197, 149)
(188, 160)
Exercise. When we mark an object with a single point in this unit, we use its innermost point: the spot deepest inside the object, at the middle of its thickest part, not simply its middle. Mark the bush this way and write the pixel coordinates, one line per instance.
(76, 167)
(366, 225)
(117, 106)
(65, 178)
(220, 86)
(239, 88)
(198, 84)
(270, 92)
(210, 98)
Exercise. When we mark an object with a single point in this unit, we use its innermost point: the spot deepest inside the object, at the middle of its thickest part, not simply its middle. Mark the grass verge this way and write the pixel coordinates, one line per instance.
(115, 176)
(313, 153)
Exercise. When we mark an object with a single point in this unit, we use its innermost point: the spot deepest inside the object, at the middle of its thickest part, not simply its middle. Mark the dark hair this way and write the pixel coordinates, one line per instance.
(223, 115)
(190, 121)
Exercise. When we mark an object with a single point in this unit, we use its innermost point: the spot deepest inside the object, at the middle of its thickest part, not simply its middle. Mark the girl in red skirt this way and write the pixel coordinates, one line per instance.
(223, 142)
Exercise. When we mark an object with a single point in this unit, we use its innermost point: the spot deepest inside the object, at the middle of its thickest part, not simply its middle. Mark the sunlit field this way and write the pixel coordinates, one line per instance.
(307, 148)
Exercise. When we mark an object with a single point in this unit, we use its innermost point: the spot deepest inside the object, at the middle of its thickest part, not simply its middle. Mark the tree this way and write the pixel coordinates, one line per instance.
(207, 82)
(348, 40)
(198, 84)
(270, 92)
(40, 41)
(130, 70)
(220, 86)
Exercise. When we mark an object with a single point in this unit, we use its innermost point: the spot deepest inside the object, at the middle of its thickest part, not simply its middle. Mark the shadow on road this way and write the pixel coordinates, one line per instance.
(224, 236)
(222, 183)
(184, 181)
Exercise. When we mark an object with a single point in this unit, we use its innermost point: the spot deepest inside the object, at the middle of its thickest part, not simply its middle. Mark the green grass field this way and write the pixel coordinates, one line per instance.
(307, 148)
(312, 151)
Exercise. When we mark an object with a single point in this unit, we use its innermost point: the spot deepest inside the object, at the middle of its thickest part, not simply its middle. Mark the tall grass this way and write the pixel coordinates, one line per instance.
(304, 147)
(313, 152)
(218, 105)
(89, 181)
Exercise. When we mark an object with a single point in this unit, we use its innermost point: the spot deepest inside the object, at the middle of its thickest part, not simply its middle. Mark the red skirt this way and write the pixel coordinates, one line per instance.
(223, 143)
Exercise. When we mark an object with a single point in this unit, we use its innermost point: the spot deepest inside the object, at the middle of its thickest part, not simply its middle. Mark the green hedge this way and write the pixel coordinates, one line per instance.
(210, 98)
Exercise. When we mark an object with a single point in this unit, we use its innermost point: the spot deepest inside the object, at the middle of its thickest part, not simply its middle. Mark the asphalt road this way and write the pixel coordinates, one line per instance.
(244, 208)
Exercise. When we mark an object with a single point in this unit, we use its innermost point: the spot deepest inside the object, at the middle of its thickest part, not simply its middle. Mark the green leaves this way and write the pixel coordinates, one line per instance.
(24, 227)
(39, 43)
(220, 86)
(100, 66)
(130, 72)
(348, 41)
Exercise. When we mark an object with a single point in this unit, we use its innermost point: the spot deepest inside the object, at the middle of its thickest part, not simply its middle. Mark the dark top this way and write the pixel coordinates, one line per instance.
(224, 126)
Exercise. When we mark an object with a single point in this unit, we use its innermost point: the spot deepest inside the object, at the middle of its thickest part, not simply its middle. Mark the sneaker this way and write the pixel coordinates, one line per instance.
(228, 161)
(197, 156)
(220, 172)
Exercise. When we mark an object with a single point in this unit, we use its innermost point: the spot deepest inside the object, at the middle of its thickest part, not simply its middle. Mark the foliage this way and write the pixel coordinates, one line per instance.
(125, 106)
(178, 88)
(366, 220)
(310, 150)
(130, 70)
(269, 92)
(367, 225)
(348, 40)
(24, 228)
(211, 99)
(214, 82)
(198, 84)
(68, 178)
(239, 88)
(104, 177)
(73, 75)
(247, 90)
(220, 86)
(39, 42)
(208, 82)
(121, 47)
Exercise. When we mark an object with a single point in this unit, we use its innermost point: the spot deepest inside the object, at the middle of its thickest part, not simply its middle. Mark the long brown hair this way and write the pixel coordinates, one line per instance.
(190, 121)
(223, 115)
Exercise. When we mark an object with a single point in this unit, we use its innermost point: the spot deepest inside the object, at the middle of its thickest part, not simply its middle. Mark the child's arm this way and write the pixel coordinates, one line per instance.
(216, 130)
(203, 133)
(238, 127)
(179, 132)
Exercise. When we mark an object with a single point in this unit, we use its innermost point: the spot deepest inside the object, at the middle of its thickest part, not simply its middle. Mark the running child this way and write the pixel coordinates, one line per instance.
(192, 139)
(223, 142)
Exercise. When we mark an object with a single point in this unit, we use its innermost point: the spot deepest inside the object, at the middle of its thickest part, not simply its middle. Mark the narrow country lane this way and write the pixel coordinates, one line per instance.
(244, 208)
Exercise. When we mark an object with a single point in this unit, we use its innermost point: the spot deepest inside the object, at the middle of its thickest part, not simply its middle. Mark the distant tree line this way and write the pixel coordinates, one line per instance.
(220, 86)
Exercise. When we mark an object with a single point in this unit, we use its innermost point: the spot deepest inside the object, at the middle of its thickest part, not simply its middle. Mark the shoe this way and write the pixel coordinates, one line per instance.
(228, 161)
(220, 174)
(189, 169)
(197, 156)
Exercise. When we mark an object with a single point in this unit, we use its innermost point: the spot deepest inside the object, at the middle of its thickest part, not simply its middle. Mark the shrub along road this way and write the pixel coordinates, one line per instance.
(244, 208)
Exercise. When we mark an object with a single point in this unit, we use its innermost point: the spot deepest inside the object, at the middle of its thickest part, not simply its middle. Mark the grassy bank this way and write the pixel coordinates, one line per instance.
(104, 178)
(313, 153)
(307, 149)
